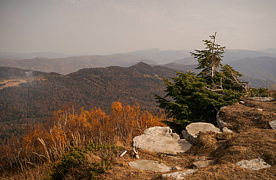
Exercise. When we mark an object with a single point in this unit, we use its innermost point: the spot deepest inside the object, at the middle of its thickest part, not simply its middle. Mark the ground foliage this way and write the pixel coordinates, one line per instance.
(102, 161)
(71, 128)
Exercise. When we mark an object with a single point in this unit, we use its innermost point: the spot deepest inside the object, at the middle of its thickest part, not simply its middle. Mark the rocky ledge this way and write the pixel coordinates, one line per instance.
(245, 139)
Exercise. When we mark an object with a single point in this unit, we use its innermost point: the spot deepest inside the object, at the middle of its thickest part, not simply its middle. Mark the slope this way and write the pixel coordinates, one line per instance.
(36, 100)
(259, 68)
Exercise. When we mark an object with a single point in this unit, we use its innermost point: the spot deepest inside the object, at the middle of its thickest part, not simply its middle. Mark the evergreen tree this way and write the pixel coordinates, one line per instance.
(197, 98)
(209, 59)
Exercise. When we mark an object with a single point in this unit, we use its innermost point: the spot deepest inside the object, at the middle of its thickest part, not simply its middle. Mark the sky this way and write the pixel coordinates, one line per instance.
(90, 27)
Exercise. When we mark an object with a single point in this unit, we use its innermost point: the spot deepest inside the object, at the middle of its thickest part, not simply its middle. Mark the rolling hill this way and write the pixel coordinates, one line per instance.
(37, 97)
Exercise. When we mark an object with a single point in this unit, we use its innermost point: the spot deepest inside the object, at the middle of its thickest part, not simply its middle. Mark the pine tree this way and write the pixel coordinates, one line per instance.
(194, 98)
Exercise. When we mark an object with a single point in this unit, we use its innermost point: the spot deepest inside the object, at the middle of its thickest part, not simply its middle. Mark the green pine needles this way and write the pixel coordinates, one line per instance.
(197, 98)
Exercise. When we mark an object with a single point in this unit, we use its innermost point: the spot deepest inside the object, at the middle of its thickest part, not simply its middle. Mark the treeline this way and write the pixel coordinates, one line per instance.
(70, 127)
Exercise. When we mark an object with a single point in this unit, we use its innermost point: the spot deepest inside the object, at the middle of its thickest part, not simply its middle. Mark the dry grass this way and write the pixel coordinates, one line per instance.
(244, 117)
(27, 173)
(229, 171)
(254, 139)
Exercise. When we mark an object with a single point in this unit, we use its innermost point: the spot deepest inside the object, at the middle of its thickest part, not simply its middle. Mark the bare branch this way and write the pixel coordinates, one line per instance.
(212, 59)
(241, 84)
(214, 90)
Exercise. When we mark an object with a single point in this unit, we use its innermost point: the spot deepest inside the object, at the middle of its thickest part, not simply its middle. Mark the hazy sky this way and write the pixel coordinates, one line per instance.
(114, 26)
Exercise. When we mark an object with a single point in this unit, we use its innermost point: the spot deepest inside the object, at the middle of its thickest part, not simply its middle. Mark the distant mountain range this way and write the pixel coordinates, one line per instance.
(161, 57)
(263, 68)
(269, 50)
(156, 55)
(247, 62)
(73, 64)
(229, 56)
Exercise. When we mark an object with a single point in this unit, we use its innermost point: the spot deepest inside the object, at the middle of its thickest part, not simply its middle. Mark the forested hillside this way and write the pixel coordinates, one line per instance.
(37, 98)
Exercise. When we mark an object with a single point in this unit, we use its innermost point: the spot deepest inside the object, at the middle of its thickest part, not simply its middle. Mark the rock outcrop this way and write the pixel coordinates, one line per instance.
(240, 117)
(161, 140)
(193, 129)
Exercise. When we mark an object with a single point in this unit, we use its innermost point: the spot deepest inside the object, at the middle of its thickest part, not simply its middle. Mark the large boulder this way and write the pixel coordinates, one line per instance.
(150, 165)
(161, 140)
(193, 129)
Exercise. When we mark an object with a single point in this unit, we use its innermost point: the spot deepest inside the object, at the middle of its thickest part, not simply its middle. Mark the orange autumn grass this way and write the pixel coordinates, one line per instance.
(67, 129)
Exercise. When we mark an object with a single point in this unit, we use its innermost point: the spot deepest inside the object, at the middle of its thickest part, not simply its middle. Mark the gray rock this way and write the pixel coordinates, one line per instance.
(201, 158)
(193, 129)
(150, 165)
(254, 164)
(262, 99)
(220, 122)
(173, 157)
(176, 168)
(162, 140)
(242, 102)
(202, 164)
(180, 174)
(273, 124)
(225, 129)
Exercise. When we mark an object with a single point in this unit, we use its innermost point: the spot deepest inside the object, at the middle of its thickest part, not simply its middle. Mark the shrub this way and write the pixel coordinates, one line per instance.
(72, 159)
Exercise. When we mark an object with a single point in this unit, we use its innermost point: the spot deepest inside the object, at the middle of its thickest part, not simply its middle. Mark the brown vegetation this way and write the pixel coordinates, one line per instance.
(255, 141)
(67, 129)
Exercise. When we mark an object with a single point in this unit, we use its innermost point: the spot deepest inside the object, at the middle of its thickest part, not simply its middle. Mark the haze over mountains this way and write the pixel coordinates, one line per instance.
(156, 55)
(16, 55)
(230, 55)
(256, 66)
